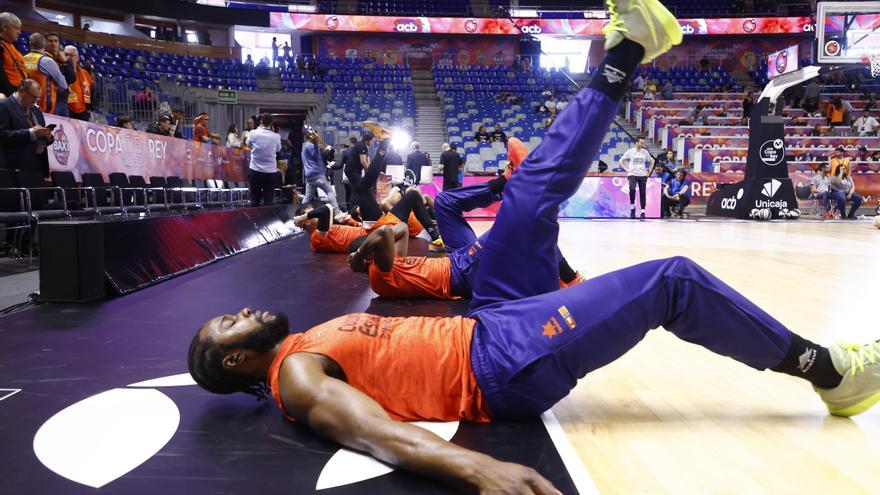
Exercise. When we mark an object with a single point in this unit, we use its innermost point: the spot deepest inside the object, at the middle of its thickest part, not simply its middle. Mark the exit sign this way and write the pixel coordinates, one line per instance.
(227, 97)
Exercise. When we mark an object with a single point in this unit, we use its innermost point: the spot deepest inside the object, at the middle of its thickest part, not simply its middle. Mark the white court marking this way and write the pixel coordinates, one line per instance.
(6, 393)
(576, 470)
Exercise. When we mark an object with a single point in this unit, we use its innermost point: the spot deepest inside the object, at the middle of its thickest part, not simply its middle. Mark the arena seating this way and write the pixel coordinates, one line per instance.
(142, 65)
(721, 146)
(345, 75)
(347, 110)
(689, 79)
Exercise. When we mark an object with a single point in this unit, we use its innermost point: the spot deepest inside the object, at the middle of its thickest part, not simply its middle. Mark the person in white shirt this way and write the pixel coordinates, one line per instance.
(232, 139)
(636, 162)
(264, 144)
(639, 83)
(866, 125)
(820, 188)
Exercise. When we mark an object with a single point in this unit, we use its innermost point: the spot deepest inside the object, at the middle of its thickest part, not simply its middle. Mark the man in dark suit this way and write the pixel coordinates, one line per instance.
(416, 160)
(451, 164)
(24, 136)
(353, 170)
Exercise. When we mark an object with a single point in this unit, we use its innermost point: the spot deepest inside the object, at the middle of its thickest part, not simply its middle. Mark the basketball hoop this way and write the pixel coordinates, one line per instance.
(874, 60)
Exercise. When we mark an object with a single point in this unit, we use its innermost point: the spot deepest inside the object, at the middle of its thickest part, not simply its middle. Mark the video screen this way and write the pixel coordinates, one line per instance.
(782, 62)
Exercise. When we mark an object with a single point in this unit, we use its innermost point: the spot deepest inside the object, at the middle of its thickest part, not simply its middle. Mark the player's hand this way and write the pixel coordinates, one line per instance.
(504, 478)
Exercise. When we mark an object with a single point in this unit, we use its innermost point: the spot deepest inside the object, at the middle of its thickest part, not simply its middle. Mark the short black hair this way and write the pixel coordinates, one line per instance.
(452, 146)
(52, 33)
(840, 148)
(266, 119)
(164, 118)
(120, 121)
(368, 135)
(353, 140)
(205, 366)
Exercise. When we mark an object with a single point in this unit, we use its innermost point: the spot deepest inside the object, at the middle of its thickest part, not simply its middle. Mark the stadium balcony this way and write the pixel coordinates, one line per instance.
(690, 79)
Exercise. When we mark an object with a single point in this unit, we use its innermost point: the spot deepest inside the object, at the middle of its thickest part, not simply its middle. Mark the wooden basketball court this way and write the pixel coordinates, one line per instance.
(671, 417)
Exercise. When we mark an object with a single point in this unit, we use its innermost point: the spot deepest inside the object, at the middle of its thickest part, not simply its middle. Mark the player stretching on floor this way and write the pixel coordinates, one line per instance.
(524, 345)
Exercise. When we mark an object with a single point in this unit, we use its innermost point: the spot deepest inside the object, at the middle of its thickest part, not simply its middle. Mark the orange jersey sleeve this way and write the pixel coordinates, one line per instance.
(337, 239)
(414, 277)
(387, 219)
(416, 368)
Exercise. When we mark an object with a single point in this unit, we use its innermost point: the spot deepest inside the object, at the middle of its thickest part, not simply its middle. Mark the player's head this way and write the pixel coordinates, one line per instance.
(839, 151)
(516, 152)
(230, 352)
(640, 142)
(357, 262)
(369, 137)
(823, 168)
(681, 174)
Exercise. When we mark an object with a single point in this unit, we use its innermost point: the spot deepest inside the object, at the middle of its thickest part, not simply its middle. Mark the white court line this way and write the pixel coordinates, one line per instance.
(576, 470)
(11, 392)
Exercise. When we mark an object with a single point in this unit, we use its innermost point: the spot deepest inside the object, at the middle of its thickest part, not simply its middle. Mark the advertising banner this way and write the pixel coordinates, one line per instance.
(783, 62)
(823, 145)
(421, 52)
(598, 197)
(705, 183)
(465, 25)
(83, 147)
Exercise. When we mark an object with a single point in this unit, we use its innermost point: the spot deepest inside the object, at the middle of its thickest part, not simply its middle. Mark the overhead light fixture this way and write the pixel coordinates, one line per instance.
(60, 16)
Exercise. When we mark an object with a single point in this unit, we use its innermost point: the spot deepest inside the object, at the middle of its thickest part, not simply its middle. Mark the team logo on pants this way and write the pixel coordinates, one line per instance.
(569, 320)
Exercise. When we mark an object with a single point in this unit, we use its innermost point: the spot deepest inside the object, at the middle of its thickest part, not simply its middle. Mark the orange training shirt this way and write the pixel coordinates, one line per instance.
(416, 368)
(414, 277)
(337, 239)
(415, 228)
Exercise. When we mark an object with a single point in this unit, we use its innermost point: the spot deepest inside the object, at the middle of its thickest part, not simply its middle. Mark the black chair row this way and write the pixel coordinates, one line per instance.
(26, 199)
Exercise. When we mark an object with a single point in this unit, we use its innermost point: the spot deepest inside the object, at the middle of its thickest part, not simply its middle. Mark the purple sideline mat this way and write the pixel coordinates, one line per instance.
(60, 355)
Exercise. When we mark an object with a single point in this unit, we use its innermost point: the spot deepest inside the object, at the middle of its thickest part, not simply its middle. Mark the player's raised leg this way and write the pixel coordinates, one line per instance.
(526, 229)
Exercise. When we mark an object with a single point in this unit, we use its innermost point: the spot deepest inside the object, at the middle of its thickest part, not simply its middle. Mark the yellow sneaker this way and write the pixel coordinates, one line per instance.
(860, 388)
(647, 22)
(380, 132)
(437, 245)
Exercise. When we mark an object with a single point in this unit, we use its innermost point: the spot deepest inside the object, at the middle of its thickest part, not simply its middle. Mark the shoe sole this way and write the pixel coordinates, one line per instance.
(379, 131)
(669, 23)
(855, 409)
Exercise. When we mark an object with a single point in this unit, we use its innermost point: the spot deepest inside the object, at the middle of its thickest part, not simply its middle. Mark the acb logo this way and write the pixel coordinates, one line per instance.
(533, 29)
(406, 26)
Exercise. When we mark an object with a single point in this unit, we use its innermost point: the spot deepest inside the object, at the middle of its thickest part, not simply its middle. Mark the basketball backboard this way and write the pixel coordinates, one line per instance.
(847, 32)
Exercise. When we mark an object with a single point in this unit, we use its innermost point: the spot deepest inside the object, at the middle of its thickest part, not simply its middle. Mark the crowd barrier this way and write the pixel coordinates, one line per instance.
(84, 147)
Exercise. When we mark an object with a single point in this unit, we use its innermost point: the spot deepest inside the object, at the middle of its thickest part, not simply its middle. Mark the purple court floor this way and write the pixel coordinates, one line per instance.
(76, 415)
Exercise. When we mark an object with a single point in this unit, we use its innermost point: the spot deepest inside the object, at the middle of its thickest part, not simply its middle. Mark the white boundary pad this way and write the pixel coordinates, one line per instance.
(862, 36)
(576, 470)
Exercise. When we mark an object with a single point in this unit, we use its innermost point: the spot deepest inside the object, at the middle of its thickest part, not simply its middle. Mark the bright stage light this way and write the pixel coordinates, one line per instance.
(400, 139)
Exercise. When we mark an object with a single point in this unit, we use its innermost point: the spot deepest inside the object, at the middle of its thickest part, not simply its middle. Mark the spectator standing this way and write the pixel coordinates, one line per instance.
(232, 139)
(67, 68)
(14, 70)
(666, 166)
(676, 193)
(811, 93)
(145, 103)
(451, 164)
(263, 168)
(820, 188)
(249, 125)
(835, 112)
(639, 82)
(668, 90)
(650, 90)
(838, 158)
(43, 69)
(748, 105)
(161, 127)
(274, 52)
(24, 136)
(636, 162)
(178, 119)
(249, 61)
(286, 51)
(498, 135)
(80, 100)
(843, 190)
(416, 160)
(315, 170)
(351, 170)
(866, 125)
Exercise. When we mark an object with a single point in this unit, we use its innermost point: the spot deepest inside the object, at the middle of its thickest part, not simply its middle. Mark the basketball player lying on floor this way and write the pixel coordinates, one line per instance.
(524, 344)
(332, 238)
(369, 210)
(394, 275)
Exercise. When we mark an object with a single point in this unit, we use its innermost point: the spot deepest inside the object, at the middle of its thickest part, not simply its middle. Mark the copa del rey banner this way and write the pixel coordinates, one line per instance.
(83, 147)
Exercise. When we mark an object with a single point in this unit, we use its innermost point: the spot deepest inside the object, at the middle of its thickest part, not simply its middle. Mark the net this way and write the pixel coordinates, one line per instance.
(874, 60)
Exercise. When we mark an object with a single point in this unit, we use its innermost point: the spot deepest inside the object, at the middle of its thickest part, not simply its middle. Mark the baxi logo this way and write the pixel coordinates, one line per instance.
(61, 147)
(406, 26)
(470, 25)
(332, 22)
(749, 25)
